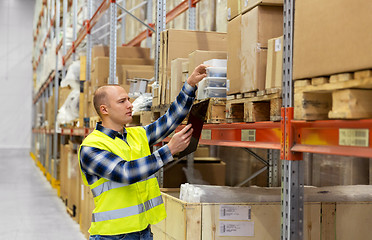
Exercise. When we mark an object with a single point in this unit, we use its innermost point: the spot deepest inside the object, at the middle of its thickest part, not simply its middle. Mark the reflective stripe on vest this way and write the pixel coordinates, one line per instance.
(127, 212)
(106, 186)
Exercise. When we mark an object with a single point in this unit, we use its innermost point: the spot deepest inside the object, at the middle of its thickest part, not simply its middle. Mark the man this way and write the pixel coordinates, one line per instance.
(117, 165)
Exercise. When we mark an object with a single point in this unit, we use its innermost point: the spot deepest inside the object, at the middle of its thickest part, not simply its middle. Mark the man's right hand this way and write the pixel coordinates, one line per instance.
(180, 140)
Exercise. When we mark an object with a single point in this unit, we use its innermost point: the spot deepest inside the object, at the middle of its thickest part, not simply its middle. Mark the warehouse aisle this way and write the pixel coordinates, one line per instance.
(30, 208)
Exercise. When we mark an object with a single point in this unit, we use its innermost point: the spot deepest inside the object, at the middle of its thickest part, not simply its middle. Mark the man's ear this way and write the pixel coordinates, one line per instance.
(103, 109)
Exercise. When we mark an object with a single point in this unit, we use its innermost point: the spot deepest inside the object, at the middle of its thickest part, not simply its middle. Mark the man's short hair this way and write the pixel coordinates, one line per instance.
(100, 97)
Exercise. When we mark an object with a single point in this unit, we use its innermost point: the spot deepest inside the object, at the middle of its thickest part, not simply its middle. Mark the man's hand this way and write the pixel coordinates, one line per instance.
(198, 75)
(180, 140)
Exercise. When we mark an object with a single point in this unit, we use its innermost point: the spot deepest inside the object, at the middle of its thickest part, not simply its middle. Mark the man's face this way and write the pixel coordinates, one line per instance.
(119, 108)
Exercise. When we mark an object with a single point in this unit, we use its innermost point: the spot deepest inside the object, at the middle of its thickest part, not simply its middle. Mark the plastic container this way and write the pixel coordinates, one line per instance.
(215, 82)
(216, 72)
(215, 92)
(216, 63)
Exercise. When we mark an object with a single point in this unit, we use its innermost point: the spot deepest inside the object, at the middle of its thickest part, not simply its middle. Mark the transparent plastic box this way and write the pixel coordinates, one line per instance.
(216, 72)
(215, 82)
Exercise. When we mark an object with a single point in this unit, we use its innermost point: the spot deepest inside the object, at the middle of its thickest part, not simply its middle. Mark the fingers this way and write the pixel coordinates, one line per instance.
(185, 129)
(201, 69)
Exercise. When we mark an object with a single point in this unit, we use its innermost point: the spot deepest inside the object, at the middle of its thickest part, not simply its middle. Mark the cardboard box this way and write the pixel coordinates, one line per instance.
(121, 52)
(233, 9)
(62, 95)
(74, 181)
(246, 5)
(234, 54)
(101, 71)
(212, 173)
(87, 207)
(83, 65)
(199, 57)
(258, 26)
(123, 71)
(176, 76)
(65, 149)
(179, 44)
(274, 67)
(334, 41)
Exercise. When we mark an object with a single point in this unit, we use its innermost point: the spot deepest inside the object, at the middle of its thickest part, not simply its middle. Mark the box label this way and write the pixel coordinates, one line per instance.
(353, 137)
(236, 228)
(206, 134)
(248, 135)
(235, 212)
(278, 45)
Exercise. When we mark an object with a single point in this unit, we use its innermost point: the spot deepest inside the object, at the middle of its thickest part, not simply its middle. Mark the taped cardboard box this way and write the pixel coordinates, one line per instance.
(74, 181)
(234, 54)
(65, 149)
(258, 26)
(176, 76)
(121, 52)
(246, 5)
(101, 71)
(274, 67)
(233, 9)
(334, 41)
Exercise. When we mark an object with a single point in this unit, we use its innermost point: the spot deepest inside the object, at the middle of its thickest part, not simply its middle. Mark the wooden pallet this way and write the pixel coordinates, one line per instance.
(254, 109)
(158, 111)
(340, 96)
(216, 110)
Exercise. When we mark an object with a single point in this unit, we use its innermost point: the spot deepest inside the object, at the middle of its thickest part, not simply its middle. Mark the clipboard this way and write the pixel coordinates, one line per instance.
(196, 118)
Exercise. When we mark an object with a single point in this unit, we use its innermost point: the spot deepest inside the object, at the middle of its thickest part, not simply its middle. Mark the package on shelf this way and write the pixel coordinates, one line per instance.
(138, 86)
(274, 67)
(216, 87)
(64, 185)
(258, 25)
(74, 180)
(216, 72)
(200, 56)
(142, 103)
(216, 63)
(176, 76)
(221, 16)
(126, 72)
(70, 109)
(246, 5)
(63, 93)
(234, 52)
(179, 44)
(321, 49)
(100, 68)
(87, 207)
(72, 77)
(121, 52)
(233, 8)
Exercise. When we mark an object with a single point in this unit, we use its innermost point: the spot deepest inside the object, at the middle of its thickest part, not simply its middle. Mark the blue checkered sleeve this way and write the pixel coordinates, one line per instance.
(176, 113)
(97, 163)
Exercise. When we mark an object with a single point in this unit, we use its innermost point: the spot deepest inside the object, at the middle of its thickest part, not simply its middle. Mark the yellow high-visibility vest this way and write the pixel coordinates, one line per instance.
(123, 208)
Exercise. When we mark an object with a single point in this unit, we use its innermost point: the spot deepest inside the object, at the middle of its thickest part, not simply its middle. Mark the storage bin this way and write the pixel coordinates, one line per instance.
(216, 72)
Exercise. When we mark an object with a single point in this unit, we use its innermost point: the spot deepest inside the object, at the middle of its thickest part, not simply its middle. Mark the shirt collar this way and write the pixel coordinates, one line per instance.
(109, 132)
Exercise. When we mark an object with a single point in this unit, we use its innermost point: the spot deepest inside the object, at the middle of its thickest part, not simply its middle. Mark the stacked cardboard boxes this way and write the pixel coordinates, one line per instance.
(179, 44)
(132, 62)
(248, 36)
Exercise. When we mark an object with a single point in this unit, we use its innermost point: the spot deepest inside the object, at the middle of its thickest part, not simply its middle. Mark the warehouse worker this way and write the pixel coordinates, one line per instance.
(117, 165)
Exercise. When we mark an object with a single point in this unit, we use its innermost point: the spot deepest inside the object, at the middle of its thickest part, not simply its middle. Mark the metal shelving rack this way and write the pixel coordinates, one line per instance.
(289, 136)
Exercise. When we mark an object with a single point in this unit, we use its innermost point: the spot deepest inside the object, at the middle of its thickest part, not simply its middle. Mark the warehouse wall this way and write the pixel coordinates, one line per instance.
(16, 17)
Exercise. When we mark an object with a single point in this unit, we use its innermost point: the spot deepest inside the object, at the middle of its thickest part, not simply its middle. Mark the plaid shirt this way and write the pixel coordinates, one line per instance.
(97, 163)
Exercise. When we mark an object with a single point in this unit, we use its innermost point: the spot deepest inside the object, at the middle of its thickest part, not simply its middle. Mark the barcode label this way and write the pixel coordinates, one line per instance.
(236, 228)
(235, 212)
(353, 137)
(206, 134)
(248, 135)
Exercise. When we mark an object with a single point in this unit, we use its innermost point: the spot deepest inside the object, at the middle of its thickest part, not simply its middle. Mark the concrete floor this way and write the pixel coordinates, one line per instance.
(29, 207)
